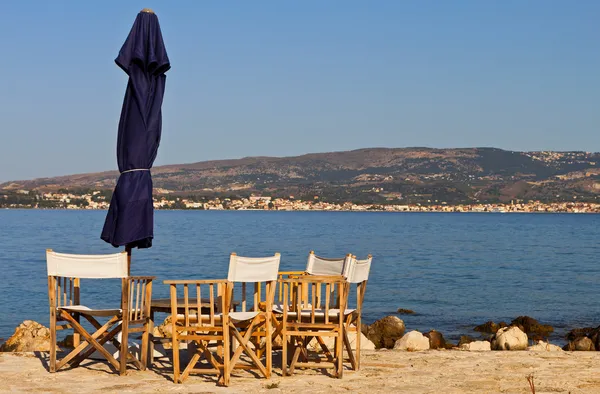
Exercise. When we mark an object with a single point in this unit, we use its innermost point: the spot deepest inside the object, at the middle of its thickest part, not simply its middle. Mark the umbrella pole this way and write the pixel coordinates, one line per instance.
(128, 250)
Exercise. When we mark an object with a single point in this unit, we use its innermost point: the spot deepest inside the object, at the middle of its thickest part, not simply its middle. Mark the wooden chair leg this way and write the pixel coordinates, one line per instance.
(339, 352)
(124, 345)
(145, 346)
(226, 353)
(175, 347)
(358, 335)
(284, 356)
(269, 346)
(295, 359)
(52, 340)
(151, 339)
(349, 350)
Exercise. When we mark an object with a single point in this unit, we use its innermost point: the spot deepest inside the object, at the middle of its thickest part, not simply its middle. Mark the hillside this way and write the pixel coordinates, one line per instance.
(401, 175)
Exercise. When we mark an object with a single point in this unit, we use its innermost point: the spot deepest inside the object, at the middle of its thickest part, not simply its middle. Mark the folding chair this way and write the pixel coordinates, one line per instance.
(315, 265)
(252, 327)
(320, 318)
(200, 325)
(64, 274)
(217, 328)
(358, 274)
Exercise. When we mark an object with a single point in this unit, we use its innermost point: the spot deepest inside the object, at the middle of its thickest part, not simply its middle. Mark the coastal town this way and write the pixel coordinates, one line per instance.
(100, 199)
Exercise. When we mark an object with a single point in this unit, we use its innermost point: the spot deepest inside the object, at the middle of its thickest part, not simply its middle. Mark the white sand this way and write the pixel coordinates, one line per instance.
(382, 371)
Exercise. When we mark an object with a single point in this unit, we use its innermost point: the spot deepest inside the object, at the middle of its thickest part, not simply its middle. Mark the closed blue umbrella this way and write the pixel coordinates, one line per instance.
(130, 218)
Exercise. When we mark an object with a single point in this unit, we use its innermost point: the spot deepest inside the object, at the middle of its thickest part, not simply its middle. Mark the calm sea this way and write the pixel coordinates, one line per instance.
(454, 270)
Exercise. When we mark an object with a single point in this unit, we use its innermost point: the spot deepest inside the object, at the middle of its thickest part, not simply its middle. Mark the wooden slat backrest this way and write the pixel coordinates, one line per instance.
(63, 291)
(201, 301)
(312, 296)
(286, 275)
(138, 289)
(139, 292)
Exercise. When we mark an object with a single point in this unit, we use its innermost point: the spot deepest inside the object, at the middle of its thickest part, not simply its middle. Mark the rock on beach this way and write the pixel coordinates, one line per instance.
(384, 332)
(436, 340)
(490, 327)
(510, 338)
(412, 342)
(29, 336)
(476, 346)
(542, 346)
(581, 344)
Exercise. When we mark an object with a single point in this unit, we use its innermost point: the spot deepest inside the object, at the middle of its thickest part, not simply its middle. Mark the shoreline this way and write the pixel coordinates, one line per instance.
(309, 210)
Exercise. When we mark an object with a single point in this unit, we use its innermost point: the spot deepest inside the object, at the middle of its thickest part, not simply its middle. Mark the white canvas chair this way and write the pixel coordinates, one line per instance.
(218, 322)
(133, 315)
(253, 324)
(357, 273)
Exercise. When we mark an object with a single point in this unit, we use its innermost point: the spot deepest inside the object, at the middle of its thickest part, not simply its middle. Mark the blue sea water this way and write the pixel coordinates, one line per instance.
(454, 270)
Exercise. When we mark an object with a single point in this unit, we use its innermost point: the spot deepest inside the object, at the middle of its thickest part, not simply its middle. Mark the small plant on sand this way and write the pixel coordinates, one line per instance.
(272, 385)
(531, 383)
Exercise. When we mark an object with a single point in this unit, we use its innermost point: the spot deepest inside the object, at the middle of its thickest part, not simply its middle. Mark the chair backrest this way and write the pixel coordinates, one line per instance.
(317, 265)
(259, 271)
(359, 274)
(309, 296)
(197, 303)
(359, 270)
(87, 266)
(253, 269)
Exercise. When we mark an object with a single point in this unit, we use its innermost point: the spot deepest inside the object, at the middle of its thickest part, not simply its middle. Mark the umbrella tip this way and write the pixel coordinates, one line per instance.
(148, 10)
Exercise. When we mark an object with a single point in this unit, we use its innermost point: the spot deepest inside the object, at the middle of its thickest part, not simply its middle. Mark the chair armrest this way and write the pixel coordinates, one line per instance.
(194, 281)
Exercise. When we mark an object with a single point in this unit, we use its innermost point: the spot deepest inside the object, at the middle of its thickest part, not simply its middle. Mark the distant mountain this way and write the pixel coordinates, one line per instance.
(398, 175)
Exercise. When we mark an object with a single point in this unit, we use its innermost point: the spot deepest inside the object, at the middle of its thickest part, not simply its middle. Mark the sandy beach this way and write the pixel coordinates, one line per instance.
(382, 371)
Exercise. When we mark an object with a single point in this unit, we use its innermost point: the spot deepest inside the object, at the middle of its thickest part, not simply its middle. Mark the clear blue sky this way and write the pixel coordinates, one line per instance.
(285, 78)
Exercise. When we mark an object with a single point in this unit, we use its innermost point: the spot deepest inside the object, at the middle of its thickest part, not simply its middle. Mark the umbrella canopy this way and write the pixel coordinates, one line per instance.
(130, 218)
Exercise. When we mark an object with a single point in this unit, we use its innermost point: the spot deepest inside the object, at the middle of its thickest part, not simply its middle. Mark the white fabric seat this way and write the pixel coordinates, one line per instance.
(243, 316)
(91, 312)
